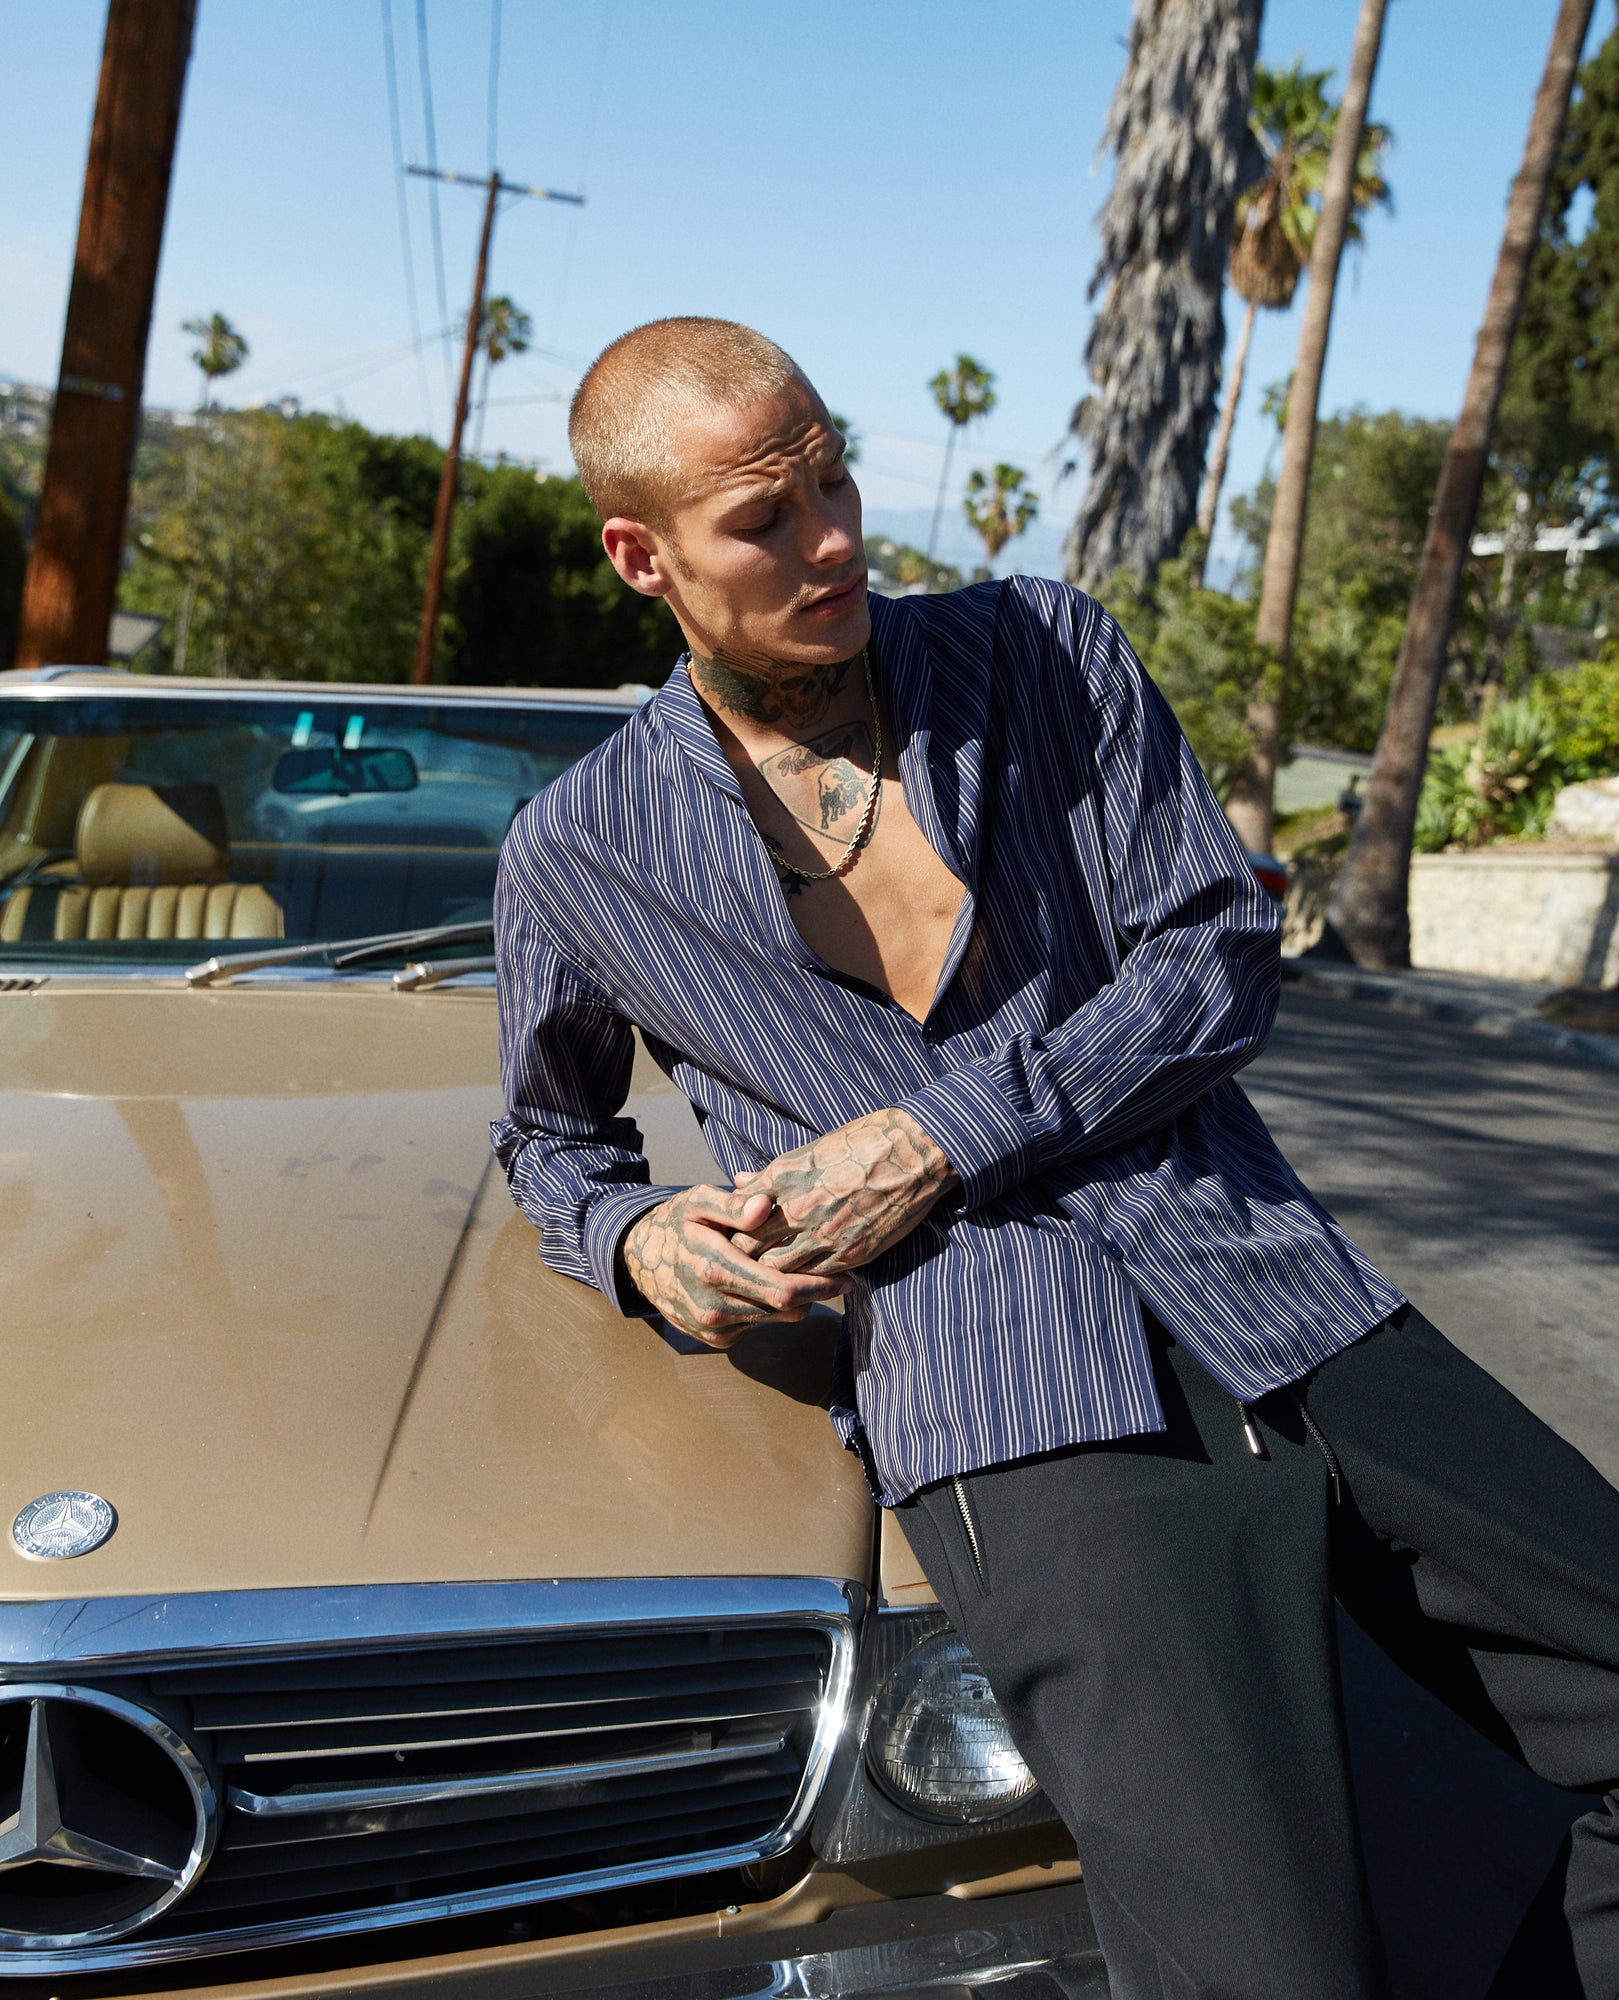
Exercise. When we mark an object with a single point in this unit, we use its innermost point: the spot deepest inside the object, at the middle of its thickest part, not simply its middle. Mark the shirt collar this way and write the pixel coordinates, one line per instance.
(679, 709)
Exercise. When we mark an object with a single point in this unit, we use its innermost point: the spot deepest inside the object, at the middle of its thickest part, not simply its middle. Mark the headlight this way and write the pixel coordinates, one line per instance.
(938, 1743)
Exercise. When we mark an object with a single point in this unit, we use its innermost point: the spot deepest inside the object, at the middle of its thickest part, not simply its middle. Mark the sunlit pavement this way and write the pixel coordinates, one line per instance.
(1485, 1181)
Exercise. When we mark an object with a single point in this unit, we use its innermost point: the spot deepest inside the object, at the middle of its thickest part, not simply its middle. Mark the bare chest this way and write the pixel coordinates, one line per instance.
(889, 917)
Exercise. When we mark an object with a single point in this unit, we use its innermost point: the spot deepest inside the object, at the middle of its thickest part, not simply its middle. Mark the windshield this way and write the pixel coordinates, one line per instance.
(141, 827)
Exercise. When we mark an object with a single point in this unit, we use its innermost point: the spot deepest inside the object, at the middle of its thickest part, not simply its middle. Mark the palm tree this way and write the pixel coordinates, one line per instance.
(1178, 129)
(503, 328)
(222, 352)
(962, 393)
(1293, 120)
(1251, 802)
(999, 505)
(1369, 910)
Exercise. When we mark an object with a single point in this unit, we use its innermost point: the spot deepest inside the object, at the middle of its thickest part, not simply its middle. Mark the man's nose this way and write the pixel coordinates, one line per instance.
(829, 537)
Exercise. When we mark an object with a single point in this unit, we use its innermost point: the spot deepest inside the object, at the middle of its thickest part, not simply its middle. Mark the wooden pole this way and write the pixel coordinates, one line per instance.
(71, 582)
(427, 637)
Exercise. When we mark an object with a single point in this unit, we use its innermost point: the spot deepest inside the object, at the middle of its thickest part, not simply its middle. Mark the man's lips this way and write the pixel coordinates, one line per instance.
(833, 601)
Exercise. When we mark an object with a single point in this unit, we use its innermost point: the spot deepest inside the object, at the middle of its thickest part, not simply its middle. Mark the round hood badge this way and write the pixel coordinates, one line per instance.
(57, 1525)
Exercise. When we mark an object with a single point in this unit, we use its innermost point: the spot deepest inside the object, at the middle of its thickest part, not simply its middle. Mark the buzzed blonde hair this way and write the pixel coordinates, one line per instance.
(622, 420)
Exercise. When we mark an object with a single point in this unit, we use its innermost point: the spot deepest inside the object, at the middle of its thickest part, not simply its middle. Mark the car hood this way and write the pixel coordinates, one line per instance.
(267, 1295)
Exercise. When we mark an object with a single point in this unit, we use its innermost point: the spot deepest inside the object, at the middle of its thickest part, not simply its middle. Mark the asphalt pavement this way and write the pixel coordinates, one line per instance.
(1484, 1179)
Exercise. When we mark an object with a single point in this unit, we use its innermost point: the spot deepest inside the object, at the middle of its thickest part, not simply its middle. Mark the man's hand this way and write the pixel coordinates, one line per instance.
(843, 1200)
(687, 1258)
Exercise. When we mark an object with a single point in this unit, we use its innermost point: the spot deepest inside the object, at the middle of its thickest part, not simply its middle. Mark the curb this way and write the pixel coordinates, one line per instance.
(1483, 1014)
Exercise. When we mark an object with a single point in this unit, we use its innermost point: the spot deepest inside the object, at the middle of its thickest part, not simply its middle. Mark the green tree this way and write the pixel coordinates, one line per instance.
(1558, 432)
(1371, 484)
(998, 506)
(532, 599)
(1198, 646)
(296, 543)
(1178, 132)
(963, 393)
(1293, 121)
(221, 352)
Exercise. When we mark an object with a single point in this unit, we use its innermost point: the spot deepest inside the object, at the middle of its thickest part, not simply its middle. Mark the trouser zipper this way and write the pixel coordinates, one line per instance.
(969, 1526)
(1327, 1452)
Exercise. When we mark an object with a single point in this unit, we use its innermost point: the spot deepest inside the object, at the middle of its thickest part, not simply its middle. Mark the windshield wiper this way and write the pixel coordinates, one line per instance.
(339, 953)
(433, 972)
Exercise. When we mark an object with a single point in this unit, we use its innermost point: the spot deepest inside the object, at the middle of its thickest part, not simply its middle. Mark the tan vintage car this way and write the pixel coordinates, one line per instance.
(380, 1612)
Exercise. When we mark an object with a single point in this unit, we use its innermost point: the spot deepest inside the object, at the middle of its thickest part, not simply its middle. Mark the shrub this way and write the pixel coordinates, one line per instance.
(1505, 782)
(1585, 708)
(1198, 645)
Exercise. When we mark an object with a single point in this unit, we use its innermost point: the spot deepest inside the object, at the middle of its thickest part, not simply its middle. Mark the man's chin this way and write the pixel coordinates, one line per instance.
(840, 625)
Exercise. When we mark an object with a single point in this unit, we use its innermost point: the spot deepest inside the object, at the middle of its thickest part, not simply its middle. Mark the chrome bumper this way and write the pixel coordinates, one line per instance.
(1029, 1957)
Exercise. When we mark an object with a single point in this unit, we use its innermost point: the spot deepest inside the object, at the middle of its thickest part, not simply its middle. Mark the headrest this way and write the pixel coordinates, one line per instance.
(151, 833)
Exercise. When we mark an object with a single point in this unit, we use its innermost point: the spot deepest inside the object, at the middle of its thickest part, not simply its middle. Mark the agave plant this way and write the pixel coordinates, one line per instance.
(1503, 782)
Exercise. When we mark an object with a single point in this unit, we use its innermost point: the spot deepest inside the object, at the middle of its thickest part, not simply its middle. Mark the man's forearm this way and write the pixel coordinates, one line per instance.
(847, 1197)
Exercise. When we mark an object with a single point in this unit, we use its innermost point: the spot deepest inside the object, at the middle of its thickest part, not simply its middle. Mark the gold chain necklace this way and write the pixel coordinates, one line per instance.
(862, 832)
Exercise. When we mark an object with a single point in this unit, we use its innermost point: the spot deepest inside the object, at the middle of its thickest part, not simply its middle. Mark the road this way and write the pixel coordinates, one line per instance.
(1485, 1182)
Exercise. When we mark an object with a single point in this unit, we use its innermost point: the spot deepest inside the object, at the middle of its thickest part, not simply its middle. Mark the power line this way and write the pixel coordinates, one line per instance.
(593, 108)
(494, 81)
(425, 64)
(333, 377)
(404, 208)
(493, 189)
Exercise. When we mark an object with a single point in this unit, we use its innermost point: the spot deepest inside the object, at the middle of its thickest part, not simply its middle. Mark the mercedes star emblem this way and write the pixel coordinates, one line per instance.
(57, 1525)
(115, 1817)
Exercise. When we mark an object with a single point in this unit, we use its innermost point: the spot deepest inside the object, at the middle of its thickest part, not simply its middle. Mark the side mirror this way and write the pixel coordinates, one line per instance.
(337, 773)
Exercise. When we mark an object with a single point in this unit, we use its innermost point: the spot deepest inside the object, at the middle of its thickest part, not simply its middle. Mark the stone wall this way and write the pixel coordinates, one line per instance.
(1535, 913)
(1518, 914)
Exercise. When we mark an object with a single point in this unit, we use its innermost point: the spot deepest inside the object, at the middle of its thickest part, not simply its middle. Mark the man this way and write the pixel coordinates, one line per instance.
(928, 910)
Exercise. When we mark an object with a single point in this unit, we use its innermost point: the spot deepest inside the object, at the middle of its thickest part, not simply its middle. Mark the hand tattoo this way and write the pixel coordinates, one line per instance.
(689, 1258)
(845, 1199)
(779, 692)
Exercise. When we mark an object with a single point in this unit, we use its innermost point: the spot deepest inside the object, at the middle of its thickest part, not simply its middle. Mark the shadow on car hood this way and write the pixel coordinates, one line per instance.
(267, 1294)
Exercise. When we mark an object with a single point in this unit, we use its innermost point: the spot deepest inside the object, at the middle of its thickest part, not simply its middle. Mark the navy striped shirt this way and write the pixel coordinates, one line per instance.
(1113, 965)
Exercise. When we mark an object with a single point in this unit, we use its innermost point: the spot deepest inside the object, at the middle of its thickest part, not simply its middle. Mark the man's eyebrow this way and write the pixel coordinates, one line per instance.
(747, 489)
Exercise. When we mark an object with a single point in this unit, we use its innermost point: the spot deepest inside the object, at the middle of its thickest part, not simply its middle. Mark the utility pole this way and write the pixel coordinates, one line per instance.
(427, 636)
(72, 577)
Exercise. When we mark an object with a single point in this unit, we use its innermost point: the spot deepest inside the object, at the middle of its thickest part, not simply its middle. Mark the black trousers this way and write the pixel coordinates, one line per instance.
(1156, 1618)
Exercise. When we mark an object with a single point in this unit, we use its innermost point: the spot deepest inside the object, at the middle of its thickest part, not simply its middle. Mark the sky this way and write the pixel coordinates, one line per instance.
(878, 184)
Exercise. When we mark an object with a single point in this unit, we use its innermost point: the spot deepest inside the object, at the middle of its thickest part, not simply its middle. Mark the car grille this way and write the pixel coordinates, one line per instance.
(375, 1787)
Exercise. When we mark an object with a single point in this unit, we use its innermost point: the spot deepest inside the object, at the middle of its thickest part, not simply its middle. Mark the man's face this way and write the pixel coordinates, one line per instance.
(763, 558)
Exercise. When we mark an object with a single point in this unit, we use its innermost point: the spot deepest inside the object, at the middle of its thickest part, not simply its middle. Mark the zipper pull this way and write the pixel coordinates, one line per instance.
(1250, 1430)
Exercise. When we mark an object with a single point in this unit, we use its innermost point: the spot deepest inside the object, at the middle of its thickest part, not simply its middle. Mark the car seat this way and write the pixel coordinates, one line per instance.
(152, 864)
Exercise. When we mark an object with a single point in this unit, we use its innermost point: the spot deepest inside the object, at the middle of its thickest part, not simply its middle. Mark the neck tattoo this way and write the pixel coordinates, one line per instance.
(835, 801)
(780, 693)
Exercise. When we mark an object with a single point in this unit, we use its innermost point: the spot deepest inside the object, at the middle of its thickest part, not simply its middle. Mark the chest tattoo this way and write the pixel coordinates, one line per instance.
(823, 782)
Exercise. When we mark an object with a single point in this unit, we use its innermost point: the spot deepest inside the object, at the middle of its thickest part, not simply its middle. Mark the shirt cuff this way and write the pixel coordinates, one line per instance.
(977, 1131)
(606, 1225)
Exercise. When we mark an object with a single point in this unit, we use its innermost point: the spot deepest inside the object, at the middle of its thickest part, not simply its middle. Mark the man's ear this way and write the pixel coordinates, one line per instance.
(634, 553)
